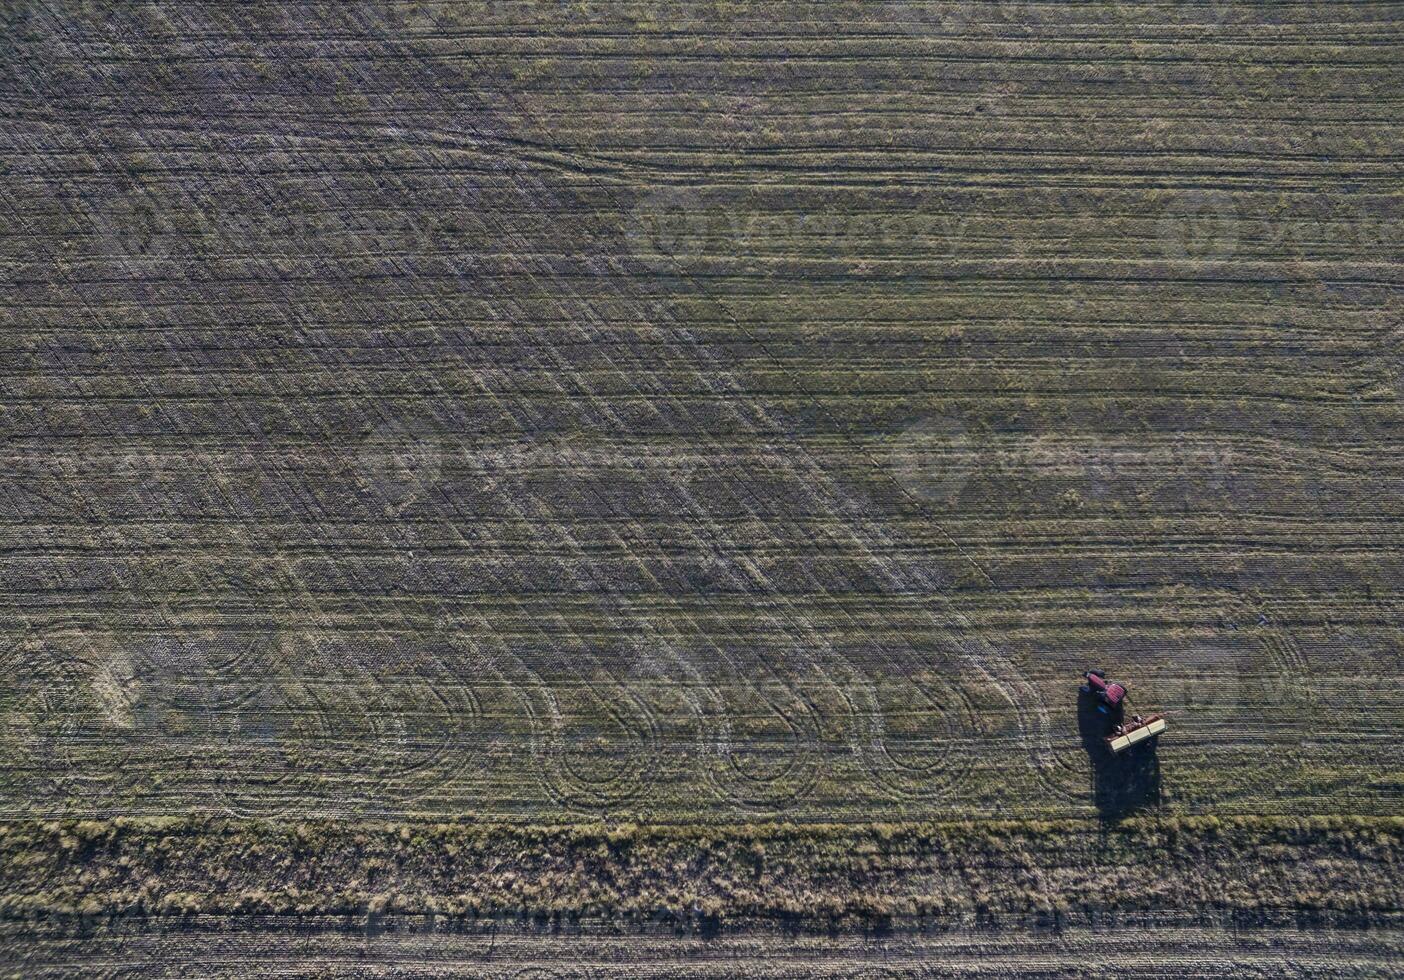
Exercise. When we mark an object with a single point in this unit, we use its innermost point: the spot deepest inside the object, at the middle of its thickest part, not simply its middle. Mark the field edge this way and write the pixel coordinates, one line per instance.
(829, 878)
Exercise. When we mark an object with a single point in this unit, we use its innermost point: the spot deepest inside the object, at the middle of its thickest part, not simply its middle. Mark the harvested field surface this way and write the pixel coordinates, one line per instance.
(587, 442)
(1147, 948)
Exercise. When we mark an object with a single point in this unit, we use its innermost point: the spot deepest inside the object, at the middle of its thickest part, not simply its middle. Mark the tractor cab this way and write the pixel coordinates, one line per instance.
(1110, 696)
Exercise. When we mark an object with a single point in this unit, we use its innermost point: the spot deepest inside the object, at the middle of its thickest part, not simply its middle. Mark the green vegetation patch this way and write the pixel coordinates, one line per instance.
(826, 876)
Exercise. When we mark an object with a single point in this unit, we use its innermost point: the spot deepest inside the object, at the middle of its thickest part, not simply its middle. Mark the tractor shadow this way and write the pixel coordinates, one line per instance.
(1123, 783)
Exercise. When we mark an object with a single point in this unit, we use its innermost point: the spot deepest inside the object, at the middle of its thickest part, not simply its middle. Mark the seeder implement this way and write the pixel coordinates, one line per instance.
(1138, 729)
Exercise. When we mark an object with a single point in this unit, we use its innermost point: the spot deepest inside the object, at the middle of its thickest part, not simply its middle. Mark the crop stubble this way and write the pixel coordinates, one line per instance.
(699, 412)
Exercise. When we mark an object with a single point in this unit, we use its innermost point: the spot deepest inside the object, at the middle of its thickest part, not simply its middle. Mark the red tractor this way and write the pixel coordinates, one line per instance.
(1109, 694)
(1111, 699)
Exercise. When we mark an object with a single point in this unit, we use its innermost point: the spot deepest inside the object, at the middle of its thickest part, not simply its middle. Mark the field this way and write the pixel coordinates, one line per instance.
(536, 488)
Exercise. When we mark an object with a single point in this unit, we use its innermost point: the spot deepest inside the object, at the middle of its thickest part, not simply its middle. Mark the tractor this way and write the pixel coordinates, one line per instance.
(1109, 694)
(1111, 699)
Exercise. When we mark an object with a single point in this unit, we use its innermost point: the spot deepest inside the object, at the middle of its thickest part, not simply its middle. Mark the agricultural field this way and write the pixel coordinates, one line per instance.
(566, 488)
